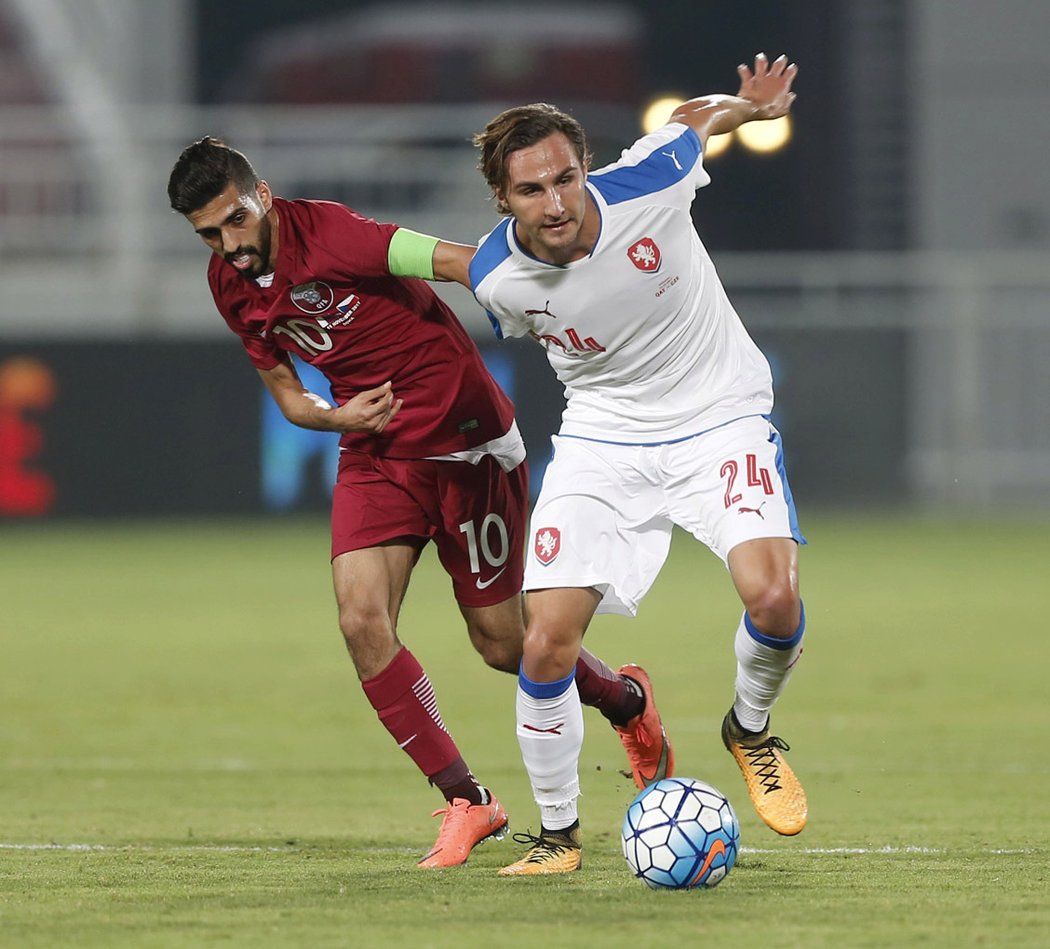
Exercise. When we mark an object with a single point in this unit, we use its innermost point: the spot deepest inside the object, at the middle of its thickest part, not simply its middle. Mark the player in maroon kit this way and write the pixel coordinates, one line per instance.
(429, 451)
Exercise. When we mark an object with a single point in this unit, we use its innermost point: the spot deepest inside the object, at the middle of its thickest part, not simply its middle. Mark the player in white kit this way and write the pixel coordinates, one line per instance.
(666, 422)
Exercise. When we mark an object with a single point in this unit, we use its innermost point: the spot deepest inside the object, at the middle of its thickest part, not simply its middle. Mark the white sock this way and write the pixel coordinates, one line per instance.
(763, 667)
(550, 734)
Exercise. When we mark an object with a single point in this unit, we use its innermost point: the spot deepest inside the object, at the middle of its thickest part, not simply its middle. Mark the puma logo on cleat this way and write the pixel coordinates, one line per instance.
(752, 510)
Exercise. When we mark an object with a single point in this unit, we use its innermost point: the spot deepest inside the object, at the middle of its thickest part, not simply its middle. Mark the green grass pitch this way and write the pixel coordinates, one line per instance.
(186, 758)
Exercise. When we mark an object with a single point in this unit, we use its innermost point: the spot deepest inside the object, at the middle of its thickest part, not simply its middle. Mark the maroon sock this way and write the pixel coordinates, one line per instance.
(615, 696)
(404, 699)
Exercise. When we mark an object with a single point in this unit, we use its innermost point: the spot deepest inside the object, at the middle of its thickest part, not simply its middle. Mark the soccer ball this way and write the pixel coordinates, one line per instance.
(680, 833)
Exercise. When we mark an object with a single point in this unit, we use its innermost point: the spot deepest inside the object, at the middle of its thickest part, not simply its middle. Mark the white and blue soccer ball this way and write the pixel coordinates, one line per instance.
(680, 833)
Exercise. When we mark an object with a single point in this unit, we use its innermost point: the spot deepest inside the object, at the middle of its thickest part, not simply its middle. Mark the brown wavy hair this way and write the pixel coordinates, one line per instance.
(518, 128)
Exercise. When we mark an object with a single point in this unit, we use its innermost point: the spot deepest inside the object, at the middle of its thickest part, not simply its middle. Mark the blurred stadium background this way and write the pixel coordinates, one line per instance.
(890, 257)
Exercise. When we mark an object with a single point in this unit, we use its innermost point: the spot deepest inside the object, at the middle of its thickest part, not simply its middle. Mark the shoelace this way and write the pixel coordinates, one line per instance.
(450, 813)
(763, 761)
(542, 844)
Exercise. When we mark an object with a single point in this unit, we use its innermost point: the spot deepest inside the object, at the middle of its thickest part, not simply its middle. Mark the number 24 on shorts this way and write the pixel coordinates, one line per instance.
(756, 477)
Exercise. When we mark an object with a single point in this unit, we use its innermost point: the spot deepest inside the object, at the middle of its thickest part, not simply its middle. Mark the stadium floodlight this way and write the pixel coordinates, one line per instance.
(717, 144)
(661, 108)
(767, 136)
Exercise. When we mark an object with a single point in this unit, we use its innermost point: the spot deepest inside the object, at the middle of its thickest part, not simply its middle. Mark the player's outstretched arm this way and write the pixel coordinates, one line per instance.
(420, 255)
(452, 262)
(370, 411)
(765, 93)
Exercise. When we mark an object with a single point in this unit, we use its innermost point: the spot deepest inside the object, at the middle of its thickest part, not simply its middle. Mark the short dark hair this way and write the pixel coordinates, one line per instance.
(204, 170)
(518, 128)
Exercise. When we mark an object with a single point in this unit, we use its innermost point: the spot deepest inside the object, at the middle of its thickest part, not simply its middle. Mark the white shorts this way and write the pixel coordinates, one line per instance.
(605, 512)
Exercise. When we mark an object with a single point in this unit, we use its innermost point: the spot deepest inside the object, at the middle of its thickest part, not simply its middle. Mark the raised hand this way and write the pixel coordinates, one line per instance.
(768, 85)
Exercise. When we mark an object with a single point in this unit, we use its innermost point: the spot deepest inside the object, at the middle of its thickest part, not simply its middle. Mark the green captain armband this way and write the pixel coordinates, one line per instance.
(411, 254)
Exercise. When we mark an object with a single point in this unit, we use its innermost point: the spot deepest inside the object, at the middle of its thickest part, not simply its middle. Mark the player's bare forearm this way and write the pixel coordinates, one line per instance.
(452, 262)
(765, 93)
(369, 411)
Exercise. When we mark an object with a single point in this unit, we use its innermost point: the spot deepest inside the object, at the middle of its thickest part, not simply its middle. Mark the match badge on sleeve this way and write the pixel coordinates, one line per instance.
(645, 255)
(548, 544)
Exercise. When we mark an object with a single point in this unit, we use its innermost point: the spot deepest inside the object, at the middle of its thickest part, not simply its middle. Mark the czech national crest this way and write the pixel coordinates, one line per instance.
(645, 255)
(548, 543)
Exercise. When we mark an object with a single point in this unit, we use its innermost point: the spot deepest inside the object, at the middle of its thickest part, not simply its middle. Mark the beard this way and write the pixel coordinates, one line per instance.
(260, 252)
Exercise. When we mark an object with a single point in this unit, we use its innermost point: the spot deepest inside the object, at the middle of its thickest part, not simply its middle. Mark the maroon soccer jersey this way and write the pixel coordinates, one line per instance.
(334, 304)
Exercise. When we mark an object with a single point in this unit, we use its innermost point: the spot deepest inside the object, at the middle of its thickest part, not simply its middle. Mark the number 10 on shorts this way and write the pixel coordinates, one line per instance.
(480, 541)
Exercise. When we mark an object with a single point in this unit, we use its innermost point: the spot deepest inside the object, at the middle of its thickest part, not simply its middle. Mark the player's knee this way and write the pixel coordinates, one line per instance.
(361, 624)
(554, 648)
(498, 644)
(502, 656)
(775, 610)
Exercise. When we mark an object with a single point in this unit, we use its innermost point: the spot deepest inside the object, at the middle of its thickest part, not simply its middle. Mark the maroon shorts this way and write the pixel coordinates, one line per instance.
(475, 514)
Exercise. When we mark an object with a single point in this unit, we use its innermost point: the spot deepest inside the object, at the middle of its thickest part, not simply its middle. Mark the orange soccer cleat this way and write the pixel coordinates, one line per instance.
(464, 827)
(777, 794)
(648, 748)
(554, 851)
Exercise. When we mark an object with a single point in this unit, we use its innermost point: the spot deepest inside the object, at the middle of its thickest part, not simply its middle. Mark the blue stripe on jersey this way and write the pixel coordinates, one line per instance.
(662, 168)
(490, 254)
(496, 328)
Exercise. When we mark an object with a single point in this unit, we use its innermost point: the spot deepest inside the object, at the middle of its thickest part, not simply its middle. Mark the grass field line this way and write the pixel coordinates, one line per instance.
(235, 848)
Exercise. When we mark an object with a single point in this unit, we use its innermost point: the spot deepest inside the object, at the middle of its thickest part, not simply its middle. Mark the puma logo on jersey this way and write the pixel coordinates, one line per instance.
(673, 158)
(544, 312)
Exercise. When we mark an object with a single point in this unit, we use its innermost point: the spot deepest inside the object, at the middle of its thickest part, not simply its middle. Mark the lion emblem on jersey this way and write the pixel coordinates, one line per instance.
(645, 255)
(313, 297)
(547, 545)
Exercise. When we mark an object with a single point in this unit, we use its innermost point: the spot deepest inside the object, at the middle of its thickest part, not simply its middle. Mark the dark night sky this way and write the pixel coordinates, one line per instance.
(791, 201)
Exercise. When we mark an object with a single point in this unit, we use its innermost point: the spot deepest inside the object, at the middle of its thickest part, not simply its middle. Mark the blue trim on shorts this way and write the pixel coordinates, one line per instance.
(772, 642)
(545, 690)
(796, 532)
(673, 441)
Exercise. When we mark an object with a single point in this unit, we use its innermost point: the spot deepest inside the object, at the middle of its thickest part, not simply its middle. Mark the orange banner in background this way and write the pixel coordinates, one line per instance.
(27, 389)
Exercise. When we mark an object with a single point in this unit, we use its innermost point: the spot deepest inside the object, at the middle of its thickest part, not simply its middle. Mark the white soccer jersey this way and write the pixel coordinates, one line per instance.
(640, 332)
